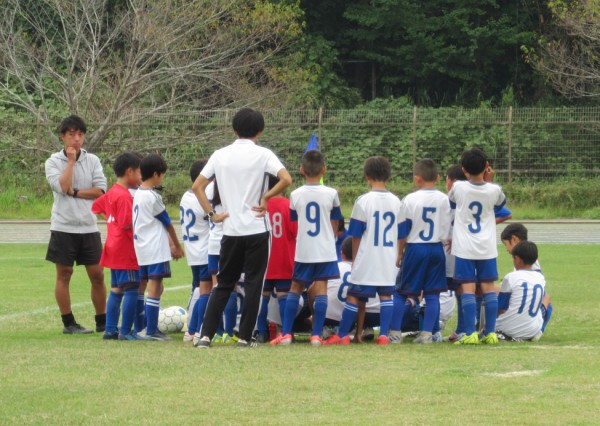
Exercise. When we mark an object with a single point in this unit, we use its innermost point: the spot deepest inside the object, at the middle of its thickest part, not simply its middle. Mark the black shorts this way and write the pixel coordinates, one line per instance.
(66, 248)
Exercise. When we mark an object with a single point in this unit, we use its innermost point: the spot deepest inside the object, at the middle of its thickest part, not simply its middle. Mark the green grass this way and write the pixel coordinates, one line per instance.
(49, 378)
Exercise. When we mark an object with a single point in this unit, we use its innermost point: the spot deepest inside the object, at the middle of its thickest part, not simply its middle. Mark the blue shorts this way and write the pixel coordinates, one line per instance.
(155, 271)
(307, 273)
(423, 269)
(364, 292)
(213, 264)
(475, 271)
(281, 286)
(200, 273)
(120, 278)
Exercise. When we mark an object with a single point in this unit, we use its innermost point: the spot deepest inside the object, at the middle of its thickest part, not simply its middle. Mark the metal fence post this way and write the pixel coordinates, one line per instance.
(320, 127)
(510, 142)
(414, 137)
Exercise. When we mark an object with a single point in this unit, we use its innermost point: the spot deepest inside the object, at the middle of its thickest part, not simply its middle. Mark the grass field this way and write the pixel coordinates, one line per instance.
(49, 378)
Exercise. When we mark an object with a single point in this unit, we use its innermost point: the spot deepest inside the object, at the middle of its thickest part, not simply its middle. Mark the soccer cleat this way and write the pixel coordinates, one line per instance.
(424, 338)
(395, 339)
(187, 337)
(131, 336)
(110, 336)
(368, 334)
(218, 338)
(437, 337)
(328, 331)
(76, 329)
(537, 337)
(262, 338)
(229, 340)
(337, 340)
(282, 339)
(316, 341)
(202, 343)
(243, 344)
(454, 337)
(490, 339)
(471, 339)
(157, 335)
(382, 340)
(100, 328)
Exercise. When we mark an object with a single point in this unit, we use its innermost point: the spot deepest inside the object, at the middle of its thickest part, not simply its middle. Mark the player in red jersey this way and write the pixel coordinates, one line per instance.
(281, 259)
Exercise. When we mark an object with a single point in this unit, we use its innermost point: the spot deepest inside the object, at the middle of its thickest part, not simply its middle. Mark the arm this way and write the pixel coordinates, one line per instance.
(176, 250)
(199, 187)
(401, 247)
(360, 321)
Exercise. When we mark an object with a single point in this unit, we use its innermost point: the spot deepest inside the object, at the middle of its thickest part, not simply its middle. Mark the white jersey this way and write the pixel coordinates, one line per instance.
(194, 228)
(375, 219)
(474, 235)
(273, 314)
(428, 215)
(241, 170)
(216, 229)
(314, 206)
(337, 293)
(523, 318)
(150, 237)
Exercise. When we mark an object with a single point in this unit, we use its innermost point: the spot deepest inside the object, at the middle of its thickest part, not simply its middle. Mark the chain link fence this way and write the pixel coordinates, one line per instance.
(523, 144)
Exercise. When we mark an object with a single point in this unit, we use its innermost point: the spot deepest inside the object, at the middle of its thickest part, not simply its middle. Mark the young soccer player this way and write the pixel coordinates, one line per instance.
(316, 207)
(195, 228)
(152, 229)
(474, 243)
(520, 301)
(119, 253)
(281, 259)
(512, 235)
(427, 227)
(240, 171)
(375, 230)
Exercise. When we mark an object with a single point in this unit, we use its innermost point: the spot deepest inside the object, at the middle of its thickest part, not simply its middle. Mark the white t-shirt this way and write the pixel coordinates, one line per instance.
(474, 235)
(314, 206)
(194, 228)
(241, 170)
(337, 293)
(216, 229)
(523, 318)
(375, 219)
(429, 215)
(150, 237)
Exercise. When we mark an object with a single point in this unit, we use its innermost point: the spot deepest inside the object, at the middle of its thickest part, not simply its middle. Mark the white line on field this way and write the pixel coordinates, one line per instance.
(47, 309)
(511, 374)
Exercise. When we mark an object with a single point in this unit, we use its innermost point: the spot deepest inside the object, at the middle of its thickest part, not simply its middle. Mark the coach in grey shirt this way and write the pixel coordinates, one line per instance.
(76, 179)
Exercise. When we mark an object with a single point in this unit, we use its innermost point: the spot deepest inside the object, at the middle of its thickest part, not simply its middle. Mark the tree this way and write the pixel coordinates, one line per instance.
(115, 62)
(569, 56)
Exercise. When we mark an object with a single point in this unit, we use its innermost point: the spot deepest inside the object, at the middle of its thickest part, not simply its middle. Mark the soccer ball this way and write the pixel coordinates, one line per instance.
(172, 319)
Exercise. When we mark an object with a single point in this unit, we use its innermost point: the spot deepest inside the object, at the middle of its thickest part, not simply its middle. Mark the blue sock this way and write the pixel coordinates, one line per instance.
(129, 310)
(113, 311)
(282, 300)
(436, 323)
(432, 312)
(200, 309)
(385, 316)
(460, 318)
(262, 323)
(490, 301)
(231, 311)
(140, 317)
(348, 317)
(469, 309)
(547, 313)
(319, 311)
(152, 309)
(399, 301)
(479, 302)
(291, 307)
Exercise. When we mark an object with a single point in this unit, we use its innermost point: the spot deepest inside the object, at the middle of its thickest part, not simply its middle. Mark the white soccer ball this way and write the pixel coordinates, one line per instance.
(172, 319)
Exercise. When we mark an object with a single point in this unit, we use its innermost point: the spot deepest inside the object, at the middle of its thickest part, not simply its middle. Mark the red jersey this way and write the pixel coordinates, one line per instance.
(117, 205)
(283, 240)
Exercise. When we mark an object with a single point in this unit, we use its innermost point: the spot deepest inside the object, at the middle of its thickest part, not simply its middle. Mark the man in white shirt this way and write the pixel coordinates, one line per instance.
(241, 171)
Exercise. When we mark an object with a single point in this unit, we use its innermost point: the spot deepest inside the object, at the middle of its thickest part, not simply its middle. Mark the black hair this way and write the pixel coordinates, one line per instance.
(313, 162)
(455, 172)
(197, 168)
(125, 161)
(473, 161)
(152, 163)
(71, 123)
(248, 123)
(341, 224)
(216, 200)
(347, 248)
(527, 252)
(378, 168)
(273, 180)
(516, 229)
(426, 170)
